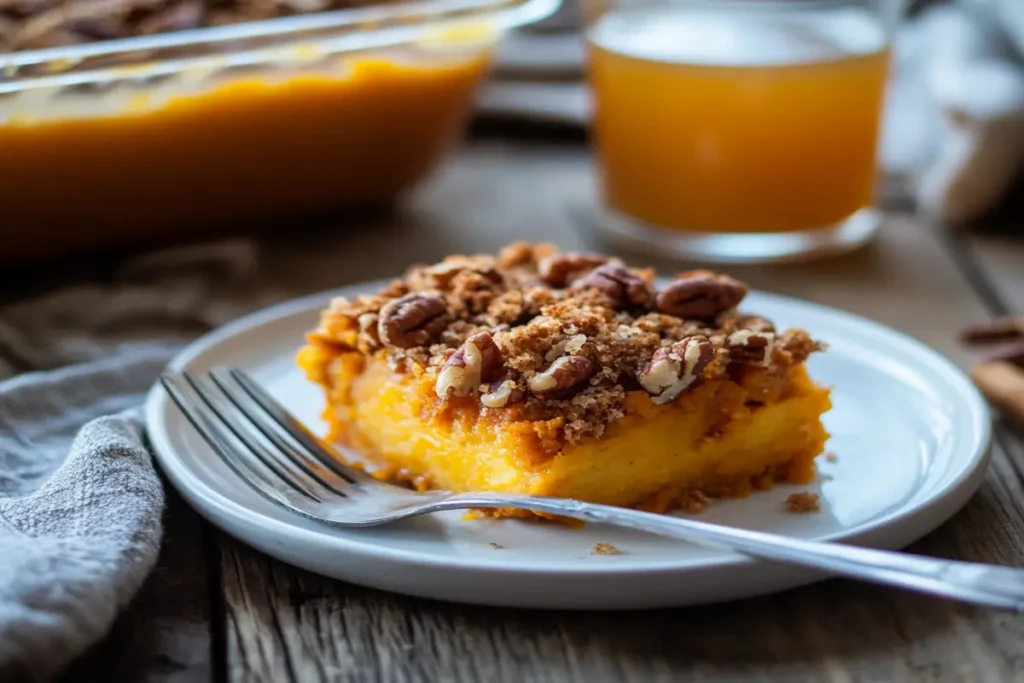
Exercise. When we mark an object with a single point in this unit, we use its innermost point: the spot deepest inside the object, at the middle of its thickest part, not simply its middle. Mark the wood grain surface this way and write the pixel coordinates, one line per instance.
(166, 634)
(266, 621)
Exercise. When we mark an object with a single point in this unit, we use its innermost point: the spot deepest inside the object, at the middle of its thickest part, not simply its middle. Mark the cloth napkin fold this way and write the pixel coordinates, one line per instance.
(80, 500)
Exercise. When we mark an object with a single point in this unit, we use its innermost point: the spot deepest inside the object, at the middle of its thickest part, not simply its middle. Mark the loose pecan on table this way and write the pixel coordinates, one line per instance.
(1001, 329)
(1012, 353)
(412, 320)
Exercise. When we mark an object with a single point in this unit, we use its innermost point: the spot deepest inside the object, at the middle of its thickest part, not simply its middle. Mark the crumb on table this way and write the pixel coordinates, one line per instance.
(604, 548)
(805, 501)
(496, 546)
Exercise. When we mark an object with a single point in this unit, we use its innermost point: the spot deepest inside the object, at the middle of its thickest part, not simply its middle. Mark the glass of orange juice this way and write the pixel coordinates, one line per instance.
(739, 130)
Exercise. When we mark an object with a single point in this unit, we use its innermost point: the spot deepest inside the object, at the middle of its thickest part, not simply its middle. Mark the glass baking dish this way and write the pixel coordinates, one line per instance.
(117, 142)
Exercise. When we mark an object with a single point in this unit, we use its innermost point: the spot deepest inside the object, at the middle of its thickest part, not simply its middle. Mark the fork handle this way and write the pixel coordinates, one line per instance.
(970, 582)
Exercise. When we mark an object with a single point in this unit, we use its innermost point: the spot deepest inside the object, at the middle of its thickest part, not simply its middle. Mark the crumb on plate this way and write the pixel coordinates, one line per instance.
(604, 548)
(696, 501)
(496, 546)
(831, 457)
(805, 501)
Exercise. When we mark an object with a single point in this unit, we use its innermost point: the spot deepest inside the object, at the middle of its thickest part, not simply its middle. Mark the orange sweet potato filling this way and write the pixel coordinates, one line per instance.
(723, 438)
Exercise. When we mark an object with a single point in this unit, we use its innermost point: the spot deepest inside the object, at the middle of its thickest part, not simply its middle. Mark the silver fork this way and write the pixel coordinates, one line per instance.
(283, 461)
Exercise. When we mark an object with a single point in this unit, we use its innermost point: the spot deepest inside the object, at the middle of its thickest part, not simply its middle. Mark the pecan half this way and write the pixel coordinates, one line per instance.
(560, 270)
(755, 323)
(477, 360)
(798, 344)
(700, 295)
(624, 287)
(444, 272)
(412, 320)
(500, 394)
(368, 329)
(562, 376)
(571, 346)
(751, 348)
(674, 369)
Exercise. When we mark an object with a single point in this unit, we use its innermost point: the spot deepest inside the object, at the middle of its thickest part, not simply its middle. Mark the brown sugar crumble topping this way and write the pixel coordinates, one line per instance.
(566, 335)
(805, 501)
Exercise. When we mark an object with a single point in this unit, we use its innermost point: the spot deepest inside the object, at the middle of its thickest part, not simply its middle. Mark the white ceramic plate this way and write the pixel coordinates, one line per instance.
(908, 428)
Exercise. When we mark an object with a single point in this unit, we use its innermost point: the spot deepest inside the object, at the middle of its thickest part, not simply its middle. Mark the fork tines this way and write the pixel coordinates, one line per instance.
(261, 441)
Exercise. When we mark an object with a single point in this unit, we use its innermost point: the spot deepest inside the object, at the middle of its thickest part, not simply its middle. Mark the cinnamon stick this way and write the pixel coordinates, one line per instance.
(1002, 383)
(1001, 329)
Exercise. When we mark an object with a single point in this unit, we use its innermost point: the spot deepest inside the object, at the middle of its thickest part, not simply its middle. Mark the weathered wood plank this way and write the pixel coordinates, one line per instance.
(284, 624)
(290, 625)
(165, 635)
(1001, 256)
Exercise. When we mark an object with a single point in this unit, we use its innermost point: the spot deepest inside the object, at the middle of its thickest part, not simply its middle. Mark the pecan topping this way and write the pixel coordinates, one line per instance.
(560, 270)
(573, 356)
(700, 295)
(571, 346)
(565, 374)
(751, 348)
(368, 329)
(444, 272)
(799, 345)
(673, 369)
(500, 394)
(412, 320)
(756, 323)
(477, 360)
(619, 284)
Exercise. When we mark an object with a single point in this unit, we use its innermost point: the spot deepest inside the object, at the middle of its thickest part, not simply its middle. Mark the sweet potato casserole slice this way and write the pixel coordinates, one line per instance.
(568, 374)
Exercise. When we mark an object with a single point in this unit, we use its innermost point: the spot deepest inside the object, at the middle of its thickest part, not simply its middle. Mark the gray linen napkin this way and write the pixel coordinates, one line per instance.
(80, 500)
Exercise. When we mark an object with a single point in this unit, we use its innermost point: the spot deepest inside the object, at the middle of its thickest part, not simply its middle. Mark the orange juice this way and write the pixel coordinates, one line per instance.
(724, 124)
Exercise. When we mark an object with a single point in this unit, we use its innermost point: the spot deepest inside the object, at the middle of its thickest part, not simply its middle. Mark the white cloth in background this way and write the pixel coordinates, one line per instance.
(955, 111)
(80, 500)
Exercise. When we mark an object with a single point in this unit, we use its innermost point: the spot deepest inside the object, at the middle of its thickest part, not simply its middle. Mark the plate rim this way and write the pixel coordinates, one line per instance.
(199, 494)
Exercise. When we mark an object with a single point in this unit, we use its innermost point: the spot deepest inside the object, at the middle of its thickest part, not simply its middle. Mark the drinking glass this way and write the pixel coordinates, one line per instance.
(738, 130)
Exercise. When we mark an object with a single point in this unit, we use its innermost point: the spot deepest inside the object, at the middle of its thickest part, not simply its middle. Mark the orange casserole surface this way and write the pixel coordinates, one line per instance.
(348, 130)
(568, 375)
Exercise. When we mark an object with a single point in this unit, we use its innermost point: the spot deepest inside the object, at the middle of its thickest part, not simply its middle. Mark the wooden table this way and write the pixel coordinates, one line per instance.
(216, 610)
